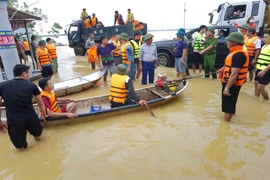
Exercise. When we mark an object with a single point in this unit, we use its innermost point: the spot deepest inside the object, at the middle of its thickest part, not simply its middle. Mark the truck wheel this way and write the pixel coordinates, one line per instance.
(79, 50)
(164, 59)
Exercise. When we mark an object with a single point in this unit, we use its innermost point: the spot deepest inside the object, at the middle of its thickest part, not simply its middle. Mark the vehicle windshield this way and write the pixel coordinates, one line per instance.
(72, 31)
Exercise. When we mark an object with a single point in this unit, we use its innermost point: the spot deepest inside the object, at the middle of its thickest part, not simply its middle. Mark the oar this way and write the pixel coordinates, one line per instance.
(151, 112)
(192, 77)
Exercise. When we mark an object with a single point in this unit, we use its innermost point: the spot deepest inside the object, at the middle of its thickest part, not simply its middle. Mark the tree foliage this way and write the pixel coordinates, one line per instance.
(55, 29)
(34, 11)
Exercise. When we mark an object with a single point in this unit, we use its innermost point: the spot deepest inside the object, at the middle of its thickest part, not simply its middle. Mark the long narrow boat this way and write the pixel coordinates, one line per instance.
(152, 95)
(78, 84)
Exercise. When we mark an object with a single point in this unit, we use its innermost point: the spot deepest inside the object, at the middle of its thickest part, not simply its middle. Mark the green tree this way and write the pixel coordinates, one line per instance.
(55, 29)
(34, 11)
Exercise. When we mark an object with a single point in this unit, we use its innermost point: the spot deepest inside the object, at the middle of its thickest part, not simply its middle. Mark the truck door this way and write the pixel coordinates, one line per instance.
(73, 35)
(257, 11)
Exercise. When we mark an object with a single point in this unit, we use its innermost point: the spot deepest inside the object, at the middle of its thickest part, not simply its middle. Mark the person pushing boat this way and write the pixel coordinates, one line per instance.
(122, 89)
(50, 101)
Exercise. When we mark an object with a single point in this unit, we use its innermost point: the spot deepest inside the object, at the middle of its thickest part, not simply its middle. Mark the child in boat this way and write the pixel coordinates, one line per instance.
(50, 101)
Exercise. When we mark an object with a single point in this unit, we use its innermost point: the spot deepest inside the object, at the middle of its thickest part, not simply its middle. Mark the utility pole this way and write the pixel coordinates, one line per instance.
(8, 50)
(184, 15)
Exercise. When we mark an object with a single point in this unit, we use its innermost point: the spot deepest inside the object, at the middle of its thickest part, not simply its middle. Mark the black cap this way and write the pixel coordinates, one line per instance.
(43, 83)
(48, 39)
(19, 69)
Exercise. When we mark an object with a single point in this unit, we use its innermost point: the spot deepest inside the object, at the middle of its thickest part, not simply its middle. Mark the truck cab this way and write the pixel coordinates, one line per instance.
(239, 12)
(78, 34)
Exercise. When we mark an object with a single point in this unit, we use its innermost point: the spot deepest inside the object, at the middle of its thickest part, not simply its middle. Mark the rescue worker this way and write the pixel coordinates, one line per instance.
(187, 42)
(34, 46)
(52, 52)
(137, 43)
(180, 55)
(94, 21)
(117, 53)
(20, 51)
(118, 18)
(130, 16)
(244, 30)
(21, 116)
(89, 44)
(262, 75)
(198, 45)
(209, 53)
(87, 22)
(50, 101)
(122, 89)
(26, 47)
(234, 73)
(105, 57)
(84, 14)
(44, 61)
(90, 41)
(148, 59)
(127, 55)
(253, 45)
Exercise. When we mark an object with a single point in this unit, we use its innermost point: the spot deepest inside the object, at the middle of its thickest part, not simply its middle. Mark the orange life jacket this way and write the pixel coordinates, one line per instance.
(52, 99)
(124, 53)
(94, 21)
(43, 56)
(249, 42)
(26, 46)
(87, 23)
(118, 91)
(52, 50)
(120, 21)
(117, 52)
(242, 74)
(92, 54)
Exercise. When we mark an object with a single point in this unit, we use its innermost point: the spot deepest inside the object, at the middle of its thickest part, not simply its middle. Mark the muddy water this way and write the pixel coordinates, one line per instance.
(187, 140)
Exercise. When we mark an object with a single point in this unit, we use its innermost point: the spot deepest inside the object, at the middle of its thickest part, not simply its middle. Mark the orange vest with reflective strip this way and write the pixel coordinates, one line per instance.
(117, 52)
(249, 42)
(94, 21)
(87, 23)
(124, 52)
(43, 56)
(52, 99)
(118, 91)
(242, 74)
(52, 50)
(26, 46)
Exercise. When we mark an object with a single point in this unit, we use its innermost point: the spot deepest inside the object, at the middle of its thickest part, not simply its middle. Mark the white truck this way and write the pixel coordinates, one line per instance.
(239, 12)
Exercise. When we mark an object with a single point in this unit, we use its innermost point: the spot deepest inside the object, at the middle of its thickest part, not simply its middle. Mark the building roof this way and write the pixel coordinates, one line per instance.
(20, 18)
(20, 15)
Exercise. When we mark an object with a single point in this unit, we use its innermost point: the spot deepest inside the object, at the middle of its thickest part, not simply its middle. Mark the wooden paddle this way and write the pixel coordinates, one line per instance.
(192, 77)
(151, 112)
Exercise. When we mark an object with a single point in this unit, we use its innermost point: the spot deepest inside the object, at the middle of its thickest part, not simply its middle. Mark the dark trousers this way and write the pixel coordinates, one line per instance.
(93, 64)
(148, 69)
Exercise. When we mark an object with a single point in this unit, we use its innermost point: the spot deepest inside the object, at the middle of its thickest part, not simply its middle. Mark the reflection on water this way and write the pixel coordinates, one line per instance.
(187, 140)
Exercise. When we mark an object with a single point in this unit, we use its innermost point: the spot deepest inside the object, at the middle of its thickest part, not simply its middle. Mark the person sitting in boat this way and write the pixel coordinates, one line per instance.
(122, 89)
(50, 101)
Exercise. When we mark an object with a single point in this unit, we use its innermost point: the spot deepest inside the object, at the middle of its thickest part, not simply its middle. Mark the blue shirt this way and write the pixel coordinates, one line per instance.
(105, 51)
(130, 53)
(181, 45)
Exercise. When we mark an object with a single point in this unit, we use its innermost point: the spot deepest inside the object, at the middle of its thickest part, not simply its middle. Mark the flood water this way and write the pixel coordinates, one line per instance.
(187, 140)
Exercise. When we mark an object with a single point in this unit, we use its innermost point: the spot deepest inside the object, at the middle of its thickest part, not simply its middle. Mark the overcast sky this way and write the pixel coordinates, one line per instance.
(157, 14)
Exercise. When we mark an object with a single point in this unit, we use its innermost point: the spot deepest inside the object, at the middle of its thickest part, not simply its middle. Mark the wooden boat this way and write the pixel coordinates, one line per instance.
(152, 95)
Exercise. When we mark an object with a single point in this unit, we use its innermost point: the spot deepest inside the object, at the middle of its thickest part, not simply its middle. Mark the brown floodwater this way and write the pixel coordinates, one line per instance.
(187, 140)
